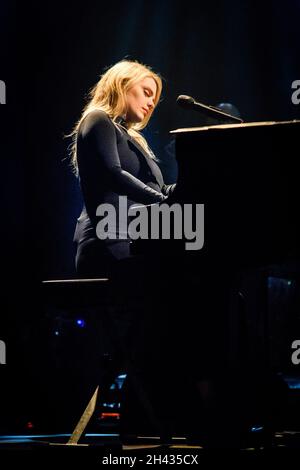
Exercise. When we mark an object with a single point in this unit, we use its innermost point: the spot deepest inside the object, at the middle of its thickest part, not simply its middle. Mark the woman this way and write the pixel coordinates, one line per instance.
(113, 159)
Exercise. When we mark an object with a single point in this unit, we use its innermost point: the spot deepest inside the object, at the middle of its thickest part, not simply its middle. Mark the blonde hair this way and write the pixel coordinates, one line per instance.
(109, 95)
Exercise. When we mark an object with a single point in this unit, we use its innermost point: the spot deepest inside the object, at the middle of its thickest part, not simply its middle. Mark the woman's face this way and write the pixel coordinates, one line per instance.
(140, 100)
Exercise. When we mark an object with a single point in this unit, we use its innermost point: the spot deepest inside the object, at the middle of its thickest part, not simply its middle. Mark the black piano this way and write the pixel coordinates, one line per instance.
(246, 176)
(213, 305)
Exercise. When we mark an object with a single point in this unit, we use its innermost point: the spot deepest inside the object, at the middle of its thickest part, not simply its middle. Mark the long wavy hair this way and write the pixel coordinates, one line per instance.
(109, 95)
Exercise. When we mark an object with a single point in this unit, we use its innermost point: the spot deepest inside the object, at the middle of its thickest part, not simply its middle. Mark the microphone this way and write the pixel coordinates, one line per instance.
(188, 102)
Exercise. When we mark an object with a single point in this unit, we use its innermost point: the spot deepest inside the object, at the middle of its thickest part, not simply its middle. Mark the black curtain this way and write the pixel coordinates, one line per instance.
(52, 53)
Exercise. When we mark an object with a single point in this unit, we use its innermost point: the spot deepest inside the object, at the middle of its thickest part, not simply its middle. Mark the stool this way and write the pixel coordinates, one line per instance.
(97, 295)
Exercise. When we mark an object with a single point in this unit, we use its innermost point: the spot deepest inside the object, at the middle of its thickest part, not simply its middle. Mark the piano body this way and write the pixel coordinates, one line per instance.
(218, 322)
(246, 176)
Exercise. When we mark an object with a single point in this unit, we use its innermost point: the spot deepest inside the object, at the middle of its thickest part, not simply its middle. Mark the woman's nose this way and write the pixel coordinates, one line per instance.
(151, 103)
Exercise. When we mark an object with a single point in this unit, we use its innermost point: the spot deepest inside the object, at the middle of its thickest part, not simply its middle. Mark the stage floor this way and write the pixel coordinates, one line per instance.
(102, 449)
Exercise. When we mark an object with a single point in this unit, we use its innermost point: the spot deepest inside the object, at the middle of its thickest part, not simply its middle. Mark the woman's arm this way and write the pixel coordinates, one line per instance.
(98, 127)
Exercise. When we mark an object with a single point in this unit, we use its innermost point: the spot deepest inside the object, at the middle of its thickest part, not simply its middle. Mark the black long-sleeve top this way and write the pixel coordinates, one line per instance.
(111, 163)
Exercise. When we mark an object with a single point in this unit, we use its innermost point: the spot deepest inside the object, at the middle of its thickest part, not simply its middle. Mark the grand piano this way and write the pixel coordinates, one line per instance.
(246, 176)
(214, 301)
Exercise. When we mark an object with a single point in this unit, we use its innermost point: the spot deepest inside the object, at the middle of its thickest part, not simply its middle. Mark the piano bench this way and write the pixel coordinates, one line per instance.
(105, 334)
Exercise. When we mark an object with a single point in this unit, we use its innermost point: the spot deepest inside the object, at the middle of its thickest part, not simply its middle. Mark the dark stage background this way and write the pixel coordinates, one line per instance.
(245, 53)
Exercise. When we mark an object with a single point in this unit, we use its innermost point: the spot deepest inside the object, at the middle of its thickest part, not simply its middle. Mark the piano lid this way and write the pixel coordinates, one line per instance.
(233, 126)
